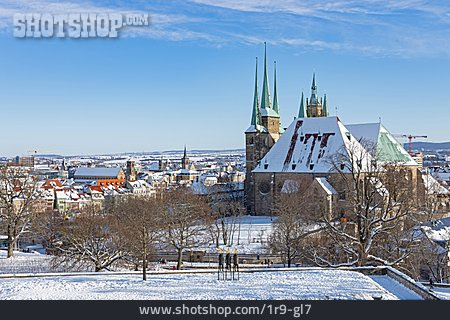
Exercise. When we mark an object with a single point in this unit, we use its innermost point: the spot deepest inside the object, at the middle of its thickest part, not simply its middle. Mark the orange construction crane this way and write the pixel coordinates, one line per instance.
(410, 138)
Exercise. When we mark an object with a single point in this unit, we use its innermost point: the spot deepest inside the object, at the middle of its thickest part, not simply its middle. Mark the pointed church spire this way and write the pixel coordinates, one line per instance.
(313, 100)
(276, 108)
(265, 100)
(302, 111)
(185, 153)
(313, 86)
(256, 114)
(325, 106)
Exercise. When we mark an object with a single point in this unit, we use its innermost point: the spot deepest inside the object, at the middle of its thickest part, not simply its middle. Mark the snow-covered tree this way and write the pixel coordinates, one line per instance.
(92, 239)
(18, 193)
(226, 215)
(141, 226)
(186, 217)
(376, 214)
(295, 220)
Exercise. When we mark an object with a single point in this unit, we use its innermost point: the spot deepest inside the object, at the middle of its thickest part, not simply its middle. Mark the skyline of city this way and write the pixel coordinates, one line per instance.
(188, 78)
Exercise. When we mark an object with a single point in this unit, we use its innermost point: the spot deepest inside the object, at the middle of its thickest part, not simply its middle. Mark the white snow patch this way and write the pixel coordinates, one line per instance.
(395, 287)
(303, 284)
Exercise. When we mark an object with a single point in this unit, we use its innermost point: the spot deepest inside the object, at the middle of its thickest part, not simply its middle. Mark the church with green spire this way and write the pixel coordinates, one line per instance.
(277, 158)
(265, 126)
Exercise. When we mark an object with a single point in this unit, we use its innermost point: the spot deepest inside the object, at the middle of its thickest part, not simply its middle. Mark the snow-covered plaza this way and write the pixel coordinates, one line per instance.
(299, 284)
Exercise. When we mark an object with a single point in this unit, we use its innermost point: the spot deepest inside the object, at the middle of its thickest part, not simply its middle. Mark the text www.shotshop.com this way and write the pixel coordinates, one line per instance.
(269, 309)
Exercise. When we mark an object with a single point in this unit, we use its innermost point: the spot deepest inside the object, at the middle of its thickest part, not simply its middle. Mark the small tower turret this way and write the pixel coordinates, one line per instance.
(314, 106)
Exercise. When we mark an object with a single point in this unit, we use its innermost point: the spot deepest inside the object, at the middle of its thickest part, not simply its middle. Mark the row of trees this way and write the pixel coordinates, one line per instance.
(128, 229)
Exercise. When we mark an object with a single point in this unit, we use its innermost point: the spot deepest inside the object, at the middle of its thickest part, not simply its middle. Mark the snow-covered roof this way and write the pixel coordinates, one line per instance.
(97, 172)
(307, 145)
(438, 230)
(139, 184)
(255, 128)
(432, 186)
(269, 112)
(186, 172)
(323, 182)
(154, 166)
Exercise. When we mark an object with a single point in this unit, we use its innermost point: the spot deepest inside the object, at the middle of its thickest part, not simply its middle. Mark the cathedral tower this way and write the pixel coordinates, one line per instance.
(265, 129)
(185, 160)
(131, 173)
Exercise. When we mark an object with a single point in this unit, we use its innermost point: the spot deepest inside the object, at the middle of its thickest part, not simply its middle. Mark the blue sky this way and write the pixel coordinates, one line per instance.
(188, 77)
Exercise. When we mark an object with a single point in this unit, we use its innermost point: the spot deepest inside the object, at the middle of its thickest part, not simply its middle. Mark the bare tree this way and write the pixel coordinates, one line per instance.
(141, 226)
(92, 238)
(427, 261)
(376, 215)
(296, 220)
(18, 193)
(186, 217)
(48, 229)
(226, 215)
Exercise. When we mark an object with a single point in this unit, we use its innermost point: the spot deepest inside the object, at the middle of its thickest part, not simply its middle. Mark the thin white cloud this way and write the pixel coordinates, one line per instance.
(371, 27)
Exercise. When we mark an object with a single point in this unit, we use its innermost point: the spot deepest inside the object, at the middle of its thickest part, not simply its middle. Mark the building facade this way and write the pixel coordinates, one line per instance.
(275, 157)
(264, 131)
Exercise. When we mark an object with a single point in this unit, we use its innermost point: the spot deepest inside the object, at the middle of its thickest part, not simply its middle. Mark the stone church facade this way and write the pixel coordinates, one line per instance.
(276, 157)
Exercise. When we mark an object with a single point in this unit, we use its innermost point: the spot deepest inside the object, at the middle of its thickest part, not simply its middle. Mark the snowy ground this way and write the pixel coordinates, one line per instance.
(304, 284)
(443, 293)
(248, 234)
(25, 263)
(399, 290)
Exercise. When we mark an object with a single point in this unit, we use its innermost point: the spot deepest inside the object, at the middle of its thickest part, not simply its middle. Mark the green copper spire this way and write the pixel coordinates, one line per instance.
(302, 111)
(256, 115)
(325, 106)
(276, 108)
(265, 100)
(313, 100)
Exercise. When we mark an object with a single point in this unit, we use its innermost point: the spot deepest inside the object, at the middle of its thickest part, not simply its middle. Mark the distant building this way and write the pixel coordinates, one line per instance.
(418, 157)
(185, 162)
(24, 161)
(131, 174)
(140, 187)
(104, 176)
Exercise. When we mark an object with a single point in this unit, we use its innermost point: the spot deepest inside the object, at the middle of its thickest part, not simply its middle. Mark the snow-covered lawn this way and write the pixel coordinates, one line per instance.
(25, 263)
(442, 292)
(303, 284)
(248, 234)
(395, 287)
